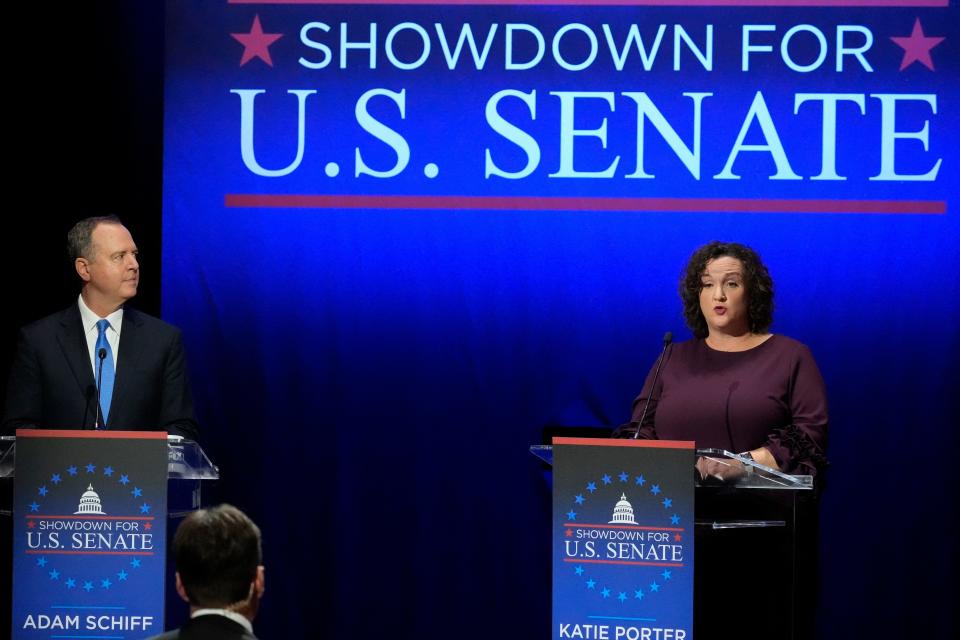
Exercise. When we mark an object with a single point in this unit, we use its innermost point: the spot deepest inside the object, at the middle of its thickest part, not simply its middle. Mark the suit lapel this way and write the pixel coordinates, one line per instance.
(74, 346)
(131, 343)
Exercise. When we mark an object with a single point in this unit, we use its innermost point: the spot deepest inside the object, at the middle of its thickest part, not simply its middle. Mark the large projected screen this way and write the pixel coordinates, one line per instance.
(403, 238)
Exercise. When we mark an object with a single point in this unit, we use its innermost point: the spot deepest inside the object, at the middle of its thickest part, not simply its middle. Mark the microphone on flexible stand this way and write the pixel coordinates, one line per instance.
(89, 394)
(667, 339)
(101, 356)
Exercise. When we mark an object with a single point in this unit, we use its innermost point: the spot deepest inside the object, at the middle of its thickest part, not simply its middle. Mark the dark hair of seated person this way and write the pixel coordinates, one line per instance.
(217, 552)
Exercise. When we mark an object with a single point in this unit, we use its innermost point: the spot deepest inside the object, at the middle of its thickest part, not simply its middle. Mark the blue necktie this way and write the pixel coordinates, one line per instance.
(104, 372)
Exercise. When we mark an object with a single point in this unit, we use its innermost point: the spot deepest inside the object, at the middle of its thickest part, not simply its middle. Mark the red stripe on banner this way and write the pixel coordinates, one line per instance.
(77, 433)
(627, 3)
(618, 526)
(89, 553)
(612, 442)
(558, 203)
(630, 562)
(38, 517)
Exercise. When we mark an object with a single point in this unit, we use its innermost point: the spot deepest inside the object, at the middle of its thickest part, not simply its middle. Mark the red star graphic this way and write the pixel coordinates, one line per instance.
(916, 47)
(256, 44)
(677, 537)
(147, 526)
(569, 532)
(31, 524)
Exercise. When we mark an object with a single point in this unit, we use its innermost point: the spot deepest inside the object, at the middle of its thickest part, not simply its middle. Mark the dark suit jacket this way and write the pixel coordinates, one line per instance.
(52, 384)
(208, 627)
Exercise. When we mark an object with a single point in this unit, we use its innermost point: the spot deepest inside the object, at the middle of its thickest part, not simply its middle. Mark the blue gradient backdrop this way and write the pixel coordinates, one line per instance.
(369, 380)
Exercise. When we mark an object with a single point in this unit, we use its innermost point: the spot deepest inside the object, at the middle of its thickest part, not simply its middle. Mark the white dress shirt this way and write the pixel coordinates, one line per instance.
(89, 320)
(226, 613)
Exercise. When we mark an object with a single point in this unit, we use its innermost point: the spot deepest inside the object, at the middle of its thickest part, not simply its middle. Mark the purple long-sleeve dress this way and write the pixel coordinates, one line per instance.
(771, 395)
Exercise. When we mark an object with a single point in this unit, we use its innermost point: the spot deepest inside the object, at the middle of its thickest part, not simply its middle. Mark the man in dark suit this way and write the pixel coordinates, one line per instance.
(218, 557)
(98, 347)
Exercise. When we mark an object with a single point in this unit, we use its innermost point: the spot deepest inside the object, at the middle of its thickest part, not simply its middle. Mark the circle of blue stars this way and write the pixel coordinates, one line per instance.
(640, 592)
(71, 583)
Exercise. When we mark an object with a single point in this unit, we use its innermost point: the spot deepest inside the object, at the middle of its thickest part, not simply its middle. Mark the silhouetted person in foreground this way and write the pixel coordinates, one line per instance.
(218, 557)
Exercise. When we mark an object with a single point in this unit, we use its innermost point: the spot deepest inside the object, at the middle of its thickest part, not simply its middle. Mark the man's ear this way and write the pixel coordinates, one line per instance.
(82, 265)
(181, 591)
(259, 582)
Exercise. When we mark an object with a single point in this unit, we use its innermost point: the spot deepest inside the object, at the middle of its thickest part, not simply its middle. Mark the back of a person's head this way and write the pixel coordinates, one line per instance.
(217, 552)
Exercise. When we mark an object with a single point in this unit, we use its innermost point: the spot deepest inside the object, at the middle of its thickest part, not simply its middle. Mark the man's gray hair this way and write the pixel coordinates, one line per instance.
(79, 242)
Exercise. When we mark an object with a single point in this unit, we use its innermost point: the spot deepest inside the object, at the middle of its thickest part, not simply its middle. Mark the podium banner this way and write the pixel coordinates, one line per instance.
(89, 534)
(622, 539)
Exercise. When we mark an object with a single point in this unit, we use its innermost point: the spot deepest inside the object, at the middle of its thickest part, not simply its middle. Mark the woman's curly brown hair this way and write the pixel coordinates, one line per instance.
(756, 281)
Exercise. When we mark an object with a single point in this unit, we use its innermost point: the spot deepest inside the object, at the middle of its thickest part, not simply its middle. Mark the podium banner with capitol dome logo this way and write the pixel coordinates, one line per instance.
(89, 532)
(622, 539)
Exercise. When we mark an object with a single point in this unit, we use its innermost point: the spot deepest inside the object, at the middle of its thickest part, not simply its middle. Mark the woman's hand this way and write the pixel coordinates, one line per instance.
(722, 469)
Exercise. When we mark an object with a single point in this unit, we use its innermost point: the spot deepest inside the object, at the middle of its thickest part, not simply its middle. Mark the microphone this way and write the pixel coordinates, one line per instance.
(90, 393)
(667, 339)
(101, 356)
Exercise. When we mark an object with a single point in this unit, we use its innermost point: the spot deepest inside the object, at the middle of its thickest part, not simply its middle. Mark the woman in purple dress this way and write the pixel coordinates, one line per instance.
(735, 385)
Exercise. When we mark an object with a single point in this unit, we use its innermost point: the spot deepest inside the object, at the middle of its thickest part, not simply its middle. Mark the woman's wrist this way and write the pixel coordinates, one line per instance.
(764, 457)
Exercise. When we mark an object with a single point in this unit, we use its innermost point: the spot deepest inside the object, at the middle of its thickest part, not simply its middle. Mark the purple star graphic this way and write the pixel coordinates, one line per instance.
(256, 43)
(916, 47)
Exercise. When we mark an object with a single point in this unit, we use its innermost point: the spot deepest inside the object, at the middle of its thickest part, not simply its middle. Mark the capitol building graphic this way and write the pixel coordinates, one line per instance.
(90, 504)
(622, 513)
